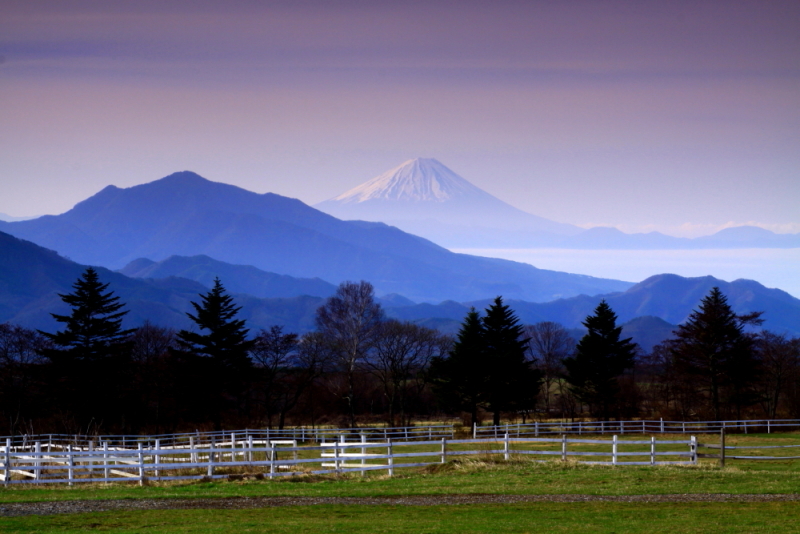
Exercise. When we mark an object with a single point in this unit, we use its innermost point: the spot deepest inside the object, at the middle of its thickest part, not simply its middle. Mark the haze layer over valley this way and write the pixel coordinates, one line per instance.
(424, 197)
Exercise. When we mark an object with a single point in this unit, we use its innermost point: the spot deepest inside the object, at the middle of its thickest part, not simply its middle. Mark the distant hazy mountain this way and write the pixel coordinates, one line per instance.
(8, 218)
(187, 215)
(424, 197)
(31, 278)
(668, 297)
(236, 278)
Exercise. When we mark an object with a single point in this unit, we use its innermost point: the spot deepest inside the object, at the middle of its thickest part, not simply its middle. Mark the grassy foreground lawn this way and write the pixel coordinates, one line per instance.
(482, 475)
(518, 476)
(531, 517)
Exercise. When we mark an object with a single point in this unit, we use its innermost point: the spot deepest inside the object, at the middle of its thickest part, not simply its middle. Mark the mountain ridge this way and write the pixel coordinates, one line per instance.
(184, 214)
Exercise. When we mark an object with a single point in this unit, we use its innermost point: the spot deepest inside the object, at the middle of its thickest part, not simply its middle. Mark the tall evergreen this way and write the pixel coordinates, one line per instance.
(93, 328)
(600, 358)
(226, 338)
(218, 356)
(713, 351)
(512, 384)
(89, 359)
(460, 379)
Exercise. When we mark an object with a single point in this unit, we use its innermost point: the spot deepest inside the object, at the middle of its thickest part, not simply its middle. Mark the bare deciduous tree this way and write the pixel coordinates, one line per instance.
(402, 351)
(779, 359)
(549, 344)
(350, 323)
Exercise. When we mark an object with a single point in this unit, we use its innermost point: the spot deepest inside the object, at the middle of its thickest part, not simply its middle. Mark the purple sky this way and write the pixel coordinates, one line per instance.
(676, 115)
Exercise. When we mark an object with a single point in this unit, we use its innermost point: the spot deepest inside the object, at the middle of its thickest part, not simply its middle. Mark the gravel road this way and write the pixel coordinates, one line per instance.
(77, 507)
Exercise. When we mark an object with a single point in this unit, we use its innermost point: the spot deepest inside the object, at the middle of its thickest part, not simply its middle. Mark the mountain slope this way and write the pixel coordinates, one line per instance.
(31, 278)
(187, 215)
(424, 197)
(238, 278)
(668, 297)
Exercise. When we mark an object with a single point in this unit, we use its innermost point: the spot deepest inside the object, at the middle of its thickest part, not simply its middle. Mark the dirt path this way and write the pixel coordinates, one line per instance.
(77, 507)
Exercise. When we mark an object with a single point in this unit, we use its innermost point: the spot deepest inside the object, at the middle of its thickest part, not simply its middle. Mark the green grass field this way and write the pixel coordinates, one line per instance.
(481, 475)
(532, 517)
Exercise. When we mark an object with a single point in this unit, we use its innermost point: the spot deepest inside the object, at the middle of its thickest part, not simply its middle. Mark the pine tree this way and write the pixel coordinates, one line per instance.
(226, 340)
(89, 358)
(713, 351)
(93, 328)
(460, 379)
(512, 384)
(600, 358)
(219, 358)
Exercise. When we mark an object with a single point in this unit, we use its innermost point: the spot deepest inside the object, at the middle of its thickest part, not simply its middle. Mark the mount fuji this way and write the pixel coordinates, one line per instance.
(426, 198)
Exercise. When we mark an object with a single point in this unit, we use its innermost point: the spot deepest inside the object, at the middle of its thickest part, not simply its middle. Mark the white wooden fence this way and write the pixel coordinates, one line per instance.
(39, 463)
(660, 426)
(300, 434)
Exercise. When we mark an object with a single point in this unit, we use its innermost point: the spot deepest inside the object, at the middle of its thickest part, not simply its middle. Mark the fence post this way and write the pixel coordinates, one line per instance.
(563, 447)
(271, 459)
(90, 461)
(505, 447)
(391, 458)
(614, 450)
(37, 448)
(193, 454)
(233, 447)
(474, 430)
(210, 469)
(105, 461)
(363, 452)
(141, 464)
(652, 450)
(70, 465)
(444, 450)
(250, 448)
(7, 463)
(768, 429)
(722, 447)
(157, 459)
(536, 429)
(693, 447)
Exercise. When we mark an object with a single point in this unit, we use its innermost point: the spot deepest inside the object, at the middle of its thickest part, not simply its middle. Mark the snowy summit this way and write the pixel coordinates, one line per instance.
(416, 180)
(425, 198)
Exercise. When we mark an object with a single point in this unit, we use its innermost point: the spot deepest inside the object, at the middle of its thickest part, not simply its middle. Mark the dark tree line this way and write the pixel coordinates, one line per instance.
(359, 367)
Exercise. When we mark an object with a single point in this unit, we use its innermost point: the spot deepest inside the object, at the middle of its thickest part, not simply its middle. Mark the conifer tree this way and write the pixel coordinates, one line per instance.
(512, 384)
(226, 338)
(460, 379)
(89, 358)
(600, 358)
(93, 328)
(713, 351)
(218, 355)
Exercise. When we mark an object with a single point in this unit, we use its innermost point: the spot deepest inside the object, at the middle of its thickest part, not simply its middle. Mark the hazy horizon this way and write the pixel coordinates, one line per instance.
(675, 117)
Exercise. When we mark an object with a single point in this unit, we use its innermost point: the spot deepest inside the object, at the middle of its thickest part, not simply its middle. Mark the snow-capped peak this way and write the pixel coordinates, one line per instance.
(420, 179)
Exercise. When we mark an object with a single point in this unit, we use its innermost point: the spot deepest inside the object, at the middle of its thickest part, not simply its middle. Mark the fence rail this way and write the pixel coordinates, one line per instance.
(422, 432)
(34, 463)
(637, 427)
(301, 434)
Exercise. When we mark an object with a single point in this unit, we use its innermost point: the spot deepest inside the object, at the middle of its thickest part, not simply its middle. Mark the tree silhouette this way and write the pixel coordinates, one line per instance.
(712, 350)
(600, 357)
(89, 358)
(349, 321)
(220, 351)
(512, 384)
(460, 379)
(93, 328)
